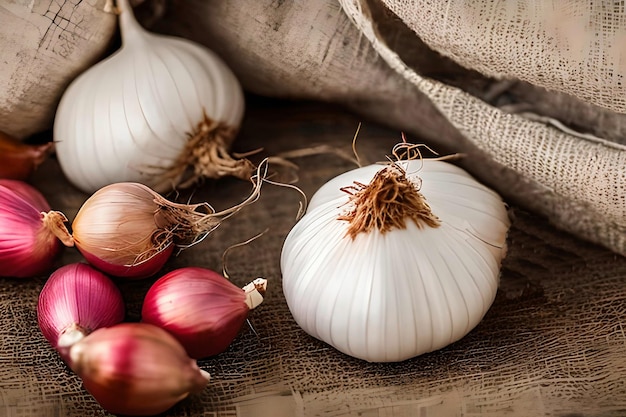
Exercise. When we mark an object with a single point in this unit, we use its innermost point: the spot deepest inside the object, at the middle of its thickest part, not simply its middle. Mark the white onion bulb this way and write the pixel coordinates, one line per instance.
(161, 111)
(386, 296)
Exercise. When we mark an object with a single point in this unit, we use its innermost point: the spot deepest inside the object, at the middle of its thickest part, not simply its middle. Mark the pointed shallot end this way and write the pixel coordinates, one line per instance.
(205, 374)
(255, 291)
(19, 160)
(196, 221)
(69, 336)
(206, 156)
(55, 222)
(386, 203)
(109, 7)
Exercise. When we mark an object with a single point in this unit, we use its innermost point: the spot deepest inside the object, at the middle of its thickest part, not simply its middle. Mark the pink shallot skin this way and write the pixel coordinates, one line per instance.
(27, 247)
(136, 369)
(76, 300)
(201, 308)
(140, 270)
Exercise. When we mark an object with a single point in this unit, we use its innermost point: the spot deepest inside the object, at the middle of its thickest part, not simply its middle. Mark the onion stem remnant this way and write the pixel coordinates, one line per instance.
(206, 156)
(386, 203)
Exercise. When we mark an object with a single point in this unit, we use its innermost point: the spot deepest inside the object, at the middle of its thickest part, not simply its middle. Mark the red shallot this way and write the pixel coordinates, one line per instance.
(201, 308)
(76, 300)
(136, 369)
(29, 231)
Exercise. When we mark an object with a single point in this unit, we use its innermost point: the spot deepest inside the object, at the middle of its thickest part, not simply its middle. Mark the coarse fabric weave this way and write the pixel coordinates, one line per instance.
(531, 92)
(551, 345)
(574, 47)
(583, 179)
(43, 46)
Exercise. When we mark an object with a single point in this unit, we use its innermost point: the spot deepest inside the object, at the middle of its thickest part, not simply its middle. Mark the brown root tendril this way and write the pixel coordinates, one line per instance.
(188, 224)
(389, 200)
(237, 245)
(185, 225)
(206, 156)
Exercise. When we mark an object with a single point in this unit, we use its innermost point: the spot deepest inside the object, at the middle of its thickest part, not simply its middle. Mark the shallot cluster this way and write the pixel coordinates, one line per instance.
(129, 368)
(143, 368)
(182, 131)
(128, 230)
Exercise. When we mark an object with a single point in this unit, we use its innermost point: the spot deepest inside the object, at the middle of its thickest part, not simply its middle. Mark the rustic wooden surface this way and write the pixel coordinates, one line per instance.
(552, 345)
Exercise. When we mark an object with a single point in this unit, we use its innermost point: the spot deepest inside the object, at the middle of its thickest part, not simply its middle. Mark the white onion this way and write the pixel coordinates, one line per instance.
(131, 116)
(390, 296)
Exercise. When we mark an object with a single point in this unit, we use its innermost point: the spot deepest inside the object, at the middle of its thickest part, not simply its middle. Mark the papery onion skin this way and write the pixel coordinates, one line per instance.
(27, 247)
(388, 297)
(201, 308)
(129, 230)
(77, 298)
(119, 232)
(136, 369)
(138, 270)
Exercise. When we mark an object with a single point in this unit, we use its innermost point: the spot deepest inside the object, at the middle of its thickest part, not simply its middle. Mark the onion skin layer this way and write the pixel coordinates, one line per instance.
(27, 247)
(120, 230)
(201, 308)
(141, 270)
(77, 298)
(136, 369)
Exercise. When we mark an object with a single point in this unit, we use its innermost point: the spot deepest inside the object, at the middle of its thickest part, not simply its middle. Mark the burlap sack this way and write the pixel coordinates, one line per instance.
(43, 46)
(488, 100)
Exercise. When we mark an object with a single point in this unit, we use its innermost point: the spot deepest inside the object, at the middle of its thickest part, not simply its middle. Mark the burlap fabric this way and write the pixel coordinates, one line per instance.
(43, 46)
(551, 345)
(465, 76)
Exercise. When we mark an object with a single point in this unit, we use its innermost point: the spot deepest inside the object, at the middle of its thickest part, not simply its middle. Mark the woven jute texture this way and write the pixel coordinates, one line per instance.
(504, 82)
(43, 46)
(552, 344)
(574, 47)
